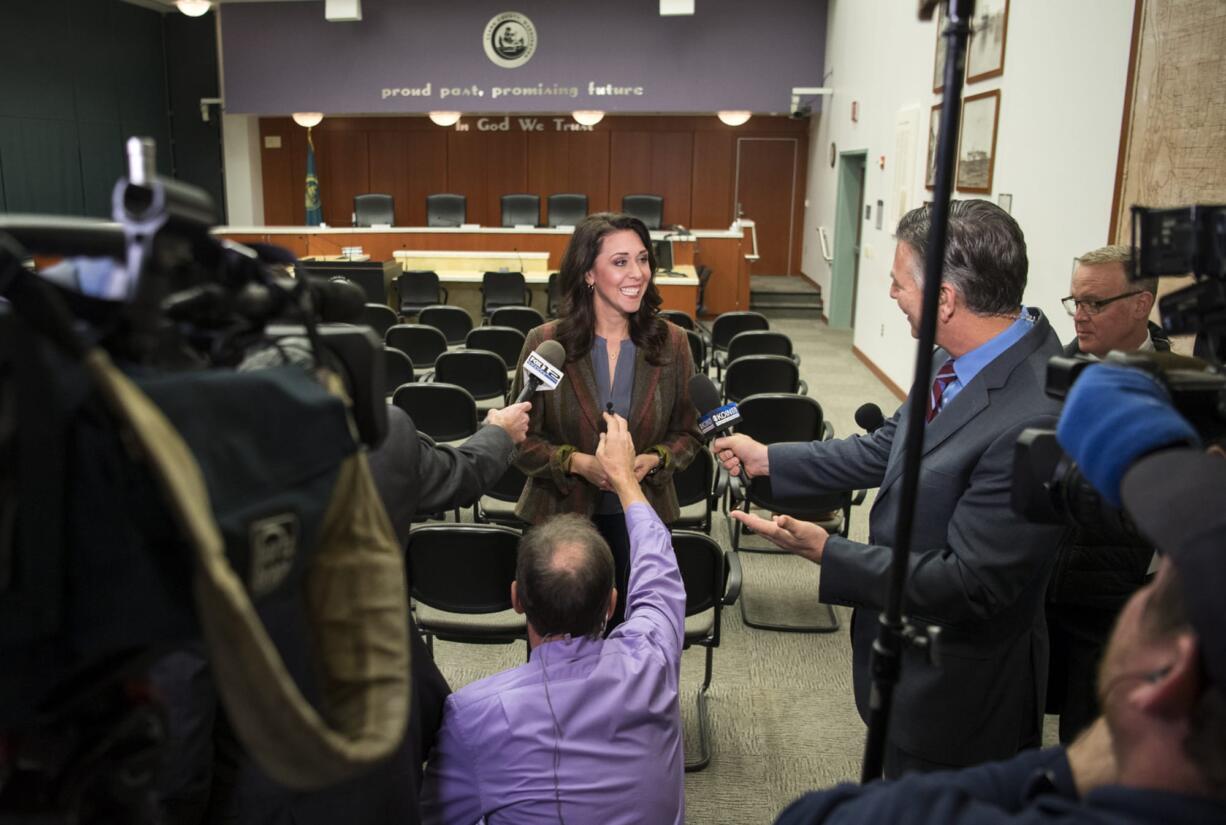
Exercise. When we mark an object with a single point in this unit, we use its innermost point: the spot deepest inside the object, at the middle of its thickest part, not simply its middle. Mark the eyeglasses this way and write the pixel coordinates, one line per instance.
(1071, 304)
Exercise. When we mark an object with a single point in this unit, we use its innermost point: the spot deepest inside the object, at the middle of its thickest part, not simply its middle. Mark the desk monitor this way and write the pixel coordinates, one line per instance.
(663, 251)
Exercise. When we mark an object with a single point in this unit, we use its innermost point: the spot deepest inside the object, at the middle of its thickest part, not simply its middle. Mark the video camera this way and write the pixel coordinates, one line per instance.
(1047, 485)
(152, 495)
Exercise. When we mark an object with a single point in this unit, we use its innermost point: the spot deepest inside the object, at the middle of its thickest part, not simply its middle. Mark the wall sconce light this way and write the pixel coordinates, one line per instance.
(588, 117)
(735, 118)
(445, 118)
(308, 119)
(193, 8)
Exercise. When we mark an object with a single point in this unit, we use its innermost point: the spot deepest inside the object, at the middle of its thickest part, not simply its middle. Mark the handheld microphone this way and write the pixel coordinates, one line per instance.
(713, 418)
(543, 369)
(869, 417)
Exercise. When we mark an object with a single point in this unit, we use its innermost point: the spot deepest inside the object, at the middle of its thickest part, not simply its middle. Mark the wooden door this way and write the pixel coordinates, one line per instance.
(766, 190)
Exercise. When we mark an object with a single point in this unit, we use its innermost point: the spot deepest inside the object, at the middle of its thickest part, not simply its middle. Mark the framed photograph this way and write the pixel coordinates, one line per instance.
(934, 126)
(938, 62)
(977, 143)
(985, 54)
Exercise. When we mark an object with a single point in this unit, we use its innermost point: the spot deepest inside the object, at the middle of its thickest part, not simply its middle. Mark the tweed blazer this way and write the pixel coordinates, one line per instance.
(569, 418)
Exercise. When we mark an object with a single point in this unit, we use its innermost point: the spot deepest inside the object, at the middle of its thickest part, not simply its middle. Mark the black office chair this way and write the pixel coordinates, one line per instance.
(756, 374)
(728, 325)
(419, 288)
(378, 317)
(712, 579)
(374, 210)
(423, 344)
(397, 370)
(704, 277)
(444, 412)
(698, 350)
(521, 210)
(678, 317)
(524, 319)
(459, 576)
(454, 322)
(553, 294)
(700, 487)
(770, 419)
(647, 208)
(446, 210)
(482, 373)
(508, 342)
(566, 209)
(760, 342)
(497, 505)
(502, 289)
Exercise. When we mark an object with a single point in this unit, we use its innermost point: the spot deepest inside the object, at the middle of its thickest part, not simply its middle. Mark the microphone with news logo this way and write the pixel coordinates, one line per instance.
(542, 369)
(713, 418)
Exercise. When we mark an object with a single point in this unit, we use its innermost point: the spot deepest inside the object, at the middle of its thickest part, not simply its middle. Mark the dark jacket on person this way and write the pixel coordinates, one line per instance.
(568, 420)
(1034, 788)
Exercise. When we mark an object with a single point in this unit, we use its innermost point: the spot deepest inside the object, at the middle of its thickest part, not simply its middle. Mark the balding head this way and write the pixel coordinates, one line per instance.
(564, 575)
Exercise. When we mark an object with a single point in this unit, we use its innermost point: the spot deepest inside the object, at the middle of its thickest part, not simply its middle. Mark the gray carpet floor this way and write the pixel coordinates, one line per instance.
(782, 716)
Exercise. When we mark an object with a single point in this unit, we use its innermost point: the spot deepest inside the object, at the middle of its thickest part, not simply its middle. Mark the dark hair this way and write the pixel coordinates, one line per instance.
(578, 315)
(985, 254)
(1166, 614)
(569, 595)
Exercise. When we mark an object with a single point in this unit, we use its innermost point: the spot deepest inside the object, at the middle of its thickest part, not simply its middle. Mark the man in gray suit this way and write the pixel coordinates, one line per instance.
(977, 569)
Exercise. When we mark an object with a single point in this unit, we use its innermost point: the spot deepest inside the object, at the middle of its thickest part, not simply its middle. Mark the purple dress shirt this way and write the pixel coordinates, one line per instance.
(617, 737)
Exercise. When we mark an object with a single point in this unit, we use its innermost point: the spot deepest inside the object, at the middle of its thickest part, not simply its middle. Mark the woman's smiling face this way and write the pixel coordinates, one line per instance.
(621, 273)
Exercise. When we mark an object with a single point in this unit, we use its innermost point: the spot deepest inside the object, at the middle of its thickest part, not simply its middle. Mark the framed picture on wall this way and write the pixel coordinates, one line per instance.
(977, 143)
(934, 126)
(938, 62)
(985, 54)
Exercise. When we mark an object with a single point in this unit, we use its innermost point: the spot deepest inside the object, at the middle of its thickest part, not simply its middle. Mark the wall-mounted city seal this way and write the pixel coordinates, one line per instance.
(510, 40)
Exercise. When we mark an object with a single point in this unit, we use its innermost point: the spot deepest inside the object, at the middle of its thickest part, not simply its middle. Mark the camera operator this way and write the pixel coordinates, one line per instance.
(1096, 574)
(211, 778)
(1158, 755)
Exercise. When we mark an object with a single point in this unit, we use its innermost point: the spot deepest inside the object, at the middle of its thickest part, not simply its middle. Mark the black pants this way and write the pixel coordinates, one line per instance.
(1078, 636)
(613, 527)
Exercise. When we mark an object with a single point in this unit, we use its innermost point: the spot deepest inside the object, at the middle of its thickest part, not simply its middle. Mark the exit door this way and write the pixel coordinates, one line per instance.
(848, 226)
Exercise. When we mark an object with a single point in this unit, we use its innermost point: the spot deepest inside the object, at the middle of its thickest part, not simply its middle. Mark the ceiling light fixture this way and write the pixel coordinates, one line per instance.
(445, 118)
(193, 8)
(308, 119)
(734, 118)
(588, 117)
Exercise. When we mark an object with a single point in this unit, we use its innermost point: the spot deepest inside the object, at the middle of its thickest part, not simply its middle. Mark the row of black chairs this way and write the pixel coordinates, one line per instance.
(420, 288)
(448, 209)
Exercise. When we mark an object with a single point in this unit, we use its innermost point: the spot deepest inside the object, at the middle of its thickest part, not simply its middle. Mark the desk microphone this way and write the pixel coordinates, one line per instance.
(542, 369)
(869, 417)
(713, 418)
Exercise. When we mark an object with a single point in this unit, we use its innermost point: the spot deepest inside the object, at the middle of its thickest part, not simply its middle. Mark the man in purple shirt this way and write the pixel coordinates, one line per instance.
(589, 730)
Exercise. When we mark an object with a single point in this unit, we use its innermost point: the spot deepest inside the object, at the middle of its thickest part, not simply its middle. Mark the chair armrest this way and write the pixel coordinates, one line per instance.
(721, 482)
(804, 390)
(446, 295)
(859, 496)
(827, 431)
(528, 295)
(737, 489)
(732, 577)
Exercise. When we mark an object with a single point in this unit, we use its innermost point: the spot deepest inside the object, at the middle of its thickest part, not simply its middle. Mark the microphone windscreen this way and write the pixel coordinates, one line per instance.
(869, 417)
(553, 352)
(703, 393)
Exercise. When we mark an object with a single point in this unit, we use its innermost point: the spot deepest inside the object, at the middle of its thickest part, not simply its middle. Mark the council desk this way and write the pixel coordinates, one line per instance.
(517, 249)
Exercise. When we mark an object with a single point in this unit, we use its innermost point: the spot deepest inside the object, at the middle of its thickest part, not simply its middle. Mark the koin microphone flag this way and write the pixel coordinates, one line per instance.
(542, 369)
(713, 418)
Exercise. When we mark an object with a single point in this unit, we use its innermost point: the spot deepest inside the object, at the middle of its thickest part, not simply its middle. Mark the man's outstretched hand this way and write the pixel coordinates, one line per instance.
(616, 456)
(803, 538)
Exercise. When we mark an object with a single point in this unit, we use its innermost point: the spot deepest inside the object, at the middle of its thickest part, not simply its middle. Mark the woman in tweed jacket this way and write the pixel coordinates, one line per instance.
(620, 355)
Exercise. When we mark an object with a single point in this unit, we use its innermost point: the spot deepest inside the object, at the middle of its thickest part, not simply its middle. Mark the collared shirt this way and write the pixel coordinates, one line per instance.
(607, 707)
(617, 396)
(970, 364)
(1146, 346)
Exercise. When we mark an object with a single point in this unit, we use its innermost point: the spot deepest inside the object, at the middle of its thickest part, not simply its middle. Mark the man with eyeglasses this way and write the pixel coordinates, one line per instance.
(1109, 311)
(1097, 573)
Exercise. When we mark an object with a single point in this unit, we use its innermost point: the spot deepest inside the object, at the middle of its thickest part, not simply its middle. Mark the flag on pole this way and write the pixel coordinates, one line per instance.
(314, 212)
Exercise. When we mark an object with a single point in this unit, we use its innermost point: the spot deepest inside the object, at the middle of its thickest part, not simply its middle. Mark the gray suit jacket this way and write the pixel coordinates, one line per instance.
(977, 569)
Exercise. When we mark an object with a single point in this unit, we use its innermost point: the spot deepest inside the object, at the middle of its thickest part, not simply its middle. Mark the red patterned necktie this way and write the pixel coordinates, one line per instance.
(944, 375)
